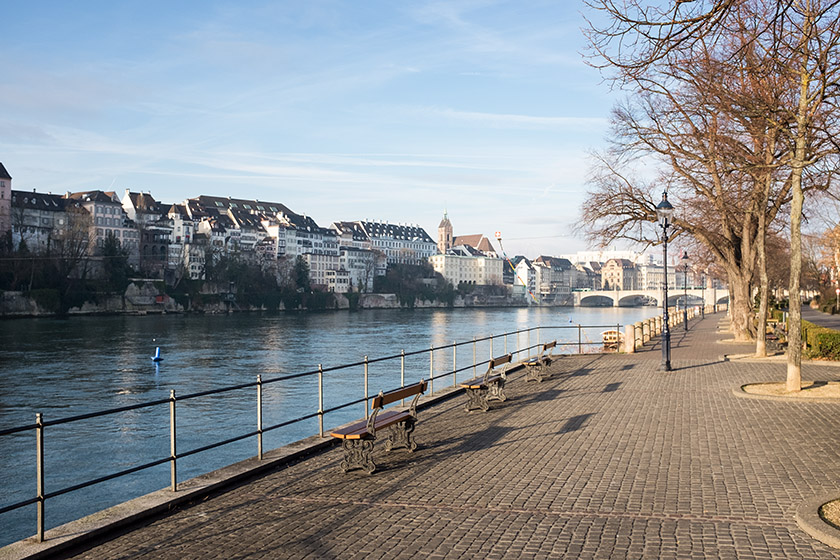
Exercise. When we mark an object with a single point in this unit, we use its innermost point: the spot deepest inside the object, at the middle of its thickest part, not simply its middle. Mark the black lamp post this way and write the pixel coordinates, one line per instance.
(684, 260)
(664, 211)
(703, 295)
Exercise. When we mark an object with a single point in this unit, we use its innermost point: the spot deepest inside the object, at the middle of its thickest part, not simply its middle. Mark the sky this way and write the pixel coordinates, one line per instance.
(340, 110)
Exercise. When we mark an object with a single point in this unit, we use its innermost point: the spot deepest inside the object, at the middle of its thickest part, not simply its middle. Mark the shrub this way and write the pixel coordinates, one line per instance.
(827, 344)
(821, 342)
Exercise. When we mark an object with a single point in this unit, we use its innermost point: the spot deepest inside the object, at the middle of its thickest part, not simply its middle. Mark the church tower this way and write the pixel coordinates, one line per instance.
(444, 234)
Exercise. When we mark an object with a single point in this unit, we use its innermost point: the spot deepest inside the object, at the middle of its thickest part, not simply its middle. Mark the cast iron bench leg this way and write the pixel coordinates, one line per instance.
(358, 453)
(497, 391)
(477, 398)
(399, 435)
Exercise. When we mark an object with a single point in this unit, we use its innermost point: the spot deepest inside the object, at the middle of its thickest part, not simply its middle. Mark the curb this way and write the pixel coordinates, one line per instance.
(808, 518)
(739, 392)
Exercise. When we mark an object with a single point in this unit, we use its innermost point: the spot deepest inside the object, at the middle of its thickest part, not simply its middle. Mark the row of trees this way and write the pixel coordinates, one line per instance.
(732, 109)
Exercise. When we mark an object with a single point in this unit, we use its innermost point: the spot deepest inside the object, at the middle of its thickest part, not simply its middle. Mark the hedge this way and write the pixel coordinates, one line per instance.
(821, 342)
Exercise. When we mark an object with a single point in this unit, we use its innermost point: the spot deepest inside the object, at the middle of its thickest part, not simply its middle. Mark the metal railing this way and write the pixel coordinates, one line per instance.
(520, 352)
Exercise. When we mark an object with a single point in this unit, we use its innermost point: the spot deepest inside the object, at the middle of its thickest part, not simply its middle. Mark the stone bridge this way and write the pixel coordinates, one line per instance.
(632, 298)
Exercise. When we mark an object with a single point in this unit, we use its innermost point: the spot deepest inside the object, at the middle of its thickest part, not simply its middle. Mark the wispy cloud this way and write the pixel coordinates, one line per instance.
(517, 121)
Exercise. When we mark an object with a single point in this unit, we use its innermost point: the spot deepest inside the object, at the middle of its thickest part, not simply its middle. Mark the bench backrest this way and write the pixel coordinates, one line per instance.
(496, 362)
(549, 345)
(384, 399)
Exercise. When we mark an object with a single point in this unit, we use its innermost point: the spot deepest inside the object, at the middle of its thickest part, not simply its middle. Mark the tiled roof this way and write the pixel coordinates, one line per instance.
(395, 231)
(249, 205)
(554, 262)
(478, 241)
(3, 173)
(38, 201)
(145, 202)
(91, 196)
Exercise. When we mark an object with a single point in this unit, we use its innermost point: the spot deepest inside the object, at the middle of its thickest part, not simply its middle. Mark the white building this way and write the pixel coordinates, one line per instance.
(401, 244)
(468, 269)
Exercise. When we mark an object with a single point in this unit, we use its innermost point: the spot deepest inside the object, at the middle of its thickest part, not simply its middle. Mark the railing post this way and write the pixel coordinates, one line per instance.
(259, 419)
(580, 341)
(402, 373)
(474, 358)
(454, 363)
(173, 450)
(367, 406)
(491, 346)
(320, 400)
(506, 344)
(529, 344)
(39, 457)
(431, 369)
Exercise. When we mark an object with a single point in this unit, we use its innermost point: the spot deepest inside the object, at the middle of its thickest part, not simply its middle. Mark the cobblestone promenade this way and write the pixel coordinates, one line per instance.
(609, 458)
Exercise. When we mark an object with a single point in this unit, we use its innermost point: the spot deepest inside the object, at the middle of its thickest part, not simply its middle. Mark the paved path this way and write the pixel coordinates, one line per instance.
(607, 459)
(819, 318)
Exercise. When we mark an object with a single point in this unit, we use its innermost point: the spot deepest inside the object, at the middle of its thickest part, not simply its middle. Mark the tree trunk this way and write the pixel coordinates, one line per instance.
(761, 327)
(740, 308)
(794, 354)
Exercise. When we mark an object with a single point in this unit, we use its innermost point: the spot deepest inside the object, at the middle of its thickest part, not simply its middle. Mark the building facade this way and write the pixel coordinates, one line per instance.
(5, 201)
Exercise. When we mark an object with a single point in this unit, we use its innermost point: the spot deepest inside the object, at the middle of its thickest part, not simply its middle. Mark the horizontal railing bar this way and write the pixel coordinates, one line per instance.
(287, 422)
(293, 376)
(104, 478)
(28, 502)
(9, 431)
(215, 445)
(215, 391)
(104, 412)
(345, 405)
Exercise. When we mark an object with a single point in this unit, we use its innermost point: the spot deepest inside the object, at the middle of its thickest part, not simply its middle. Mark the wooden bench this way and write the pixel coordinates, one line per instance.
(537, 365)
(489, 386)
(357, 439)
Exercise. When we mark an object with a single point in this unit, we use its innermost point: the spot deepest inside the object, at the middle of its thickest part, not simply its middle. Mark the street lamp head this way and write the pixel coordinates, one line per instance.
(664, 211)
(684, 258)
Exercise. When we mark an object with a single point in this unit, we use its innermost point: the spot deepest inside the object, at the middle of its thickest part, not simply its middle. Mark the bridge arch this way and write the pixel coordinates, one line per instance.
(597, 301)
(638, 300)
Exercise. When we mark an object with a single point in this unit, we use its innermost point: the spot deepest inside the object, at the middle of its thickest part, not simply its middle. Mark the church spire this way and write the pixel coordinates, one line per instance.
(445, 234)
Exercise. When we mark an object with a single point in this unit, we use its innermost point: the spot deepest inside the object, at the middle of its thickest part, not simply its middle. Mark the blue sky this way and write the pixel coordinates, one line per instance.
(341, 110)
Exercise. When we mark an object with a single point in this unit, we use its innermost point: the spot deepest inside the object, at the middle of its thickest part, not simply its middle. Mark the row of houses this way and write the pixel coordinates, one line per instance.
(172, 241)
(165, 240)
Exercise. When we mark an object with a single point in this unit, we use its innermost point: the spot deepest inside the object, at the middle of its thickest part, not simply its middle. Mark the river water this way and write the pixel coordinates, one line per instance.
(67, 367)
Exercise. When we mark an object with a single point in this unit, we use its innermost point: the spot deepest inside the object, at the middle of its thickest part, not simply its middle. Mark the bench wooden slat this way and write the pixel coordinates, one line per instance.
(496, 362)
(359, 429)
(398, 394)
(478, 382)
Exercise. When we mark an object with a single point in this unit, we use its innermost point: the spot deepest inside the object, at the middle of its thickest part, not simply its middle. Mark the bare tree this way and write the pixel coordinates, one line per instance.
(700, 122)
(795, 44)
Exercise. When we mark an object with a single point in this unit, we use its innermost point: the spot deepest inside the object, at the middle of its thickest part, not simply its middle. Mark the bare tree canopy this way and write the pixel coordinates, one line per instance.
(734, 103)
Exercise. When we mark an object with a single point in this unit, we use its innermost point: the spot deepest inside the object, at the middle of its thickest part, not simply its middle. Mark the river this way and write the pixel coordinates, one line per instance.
(67, 367)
